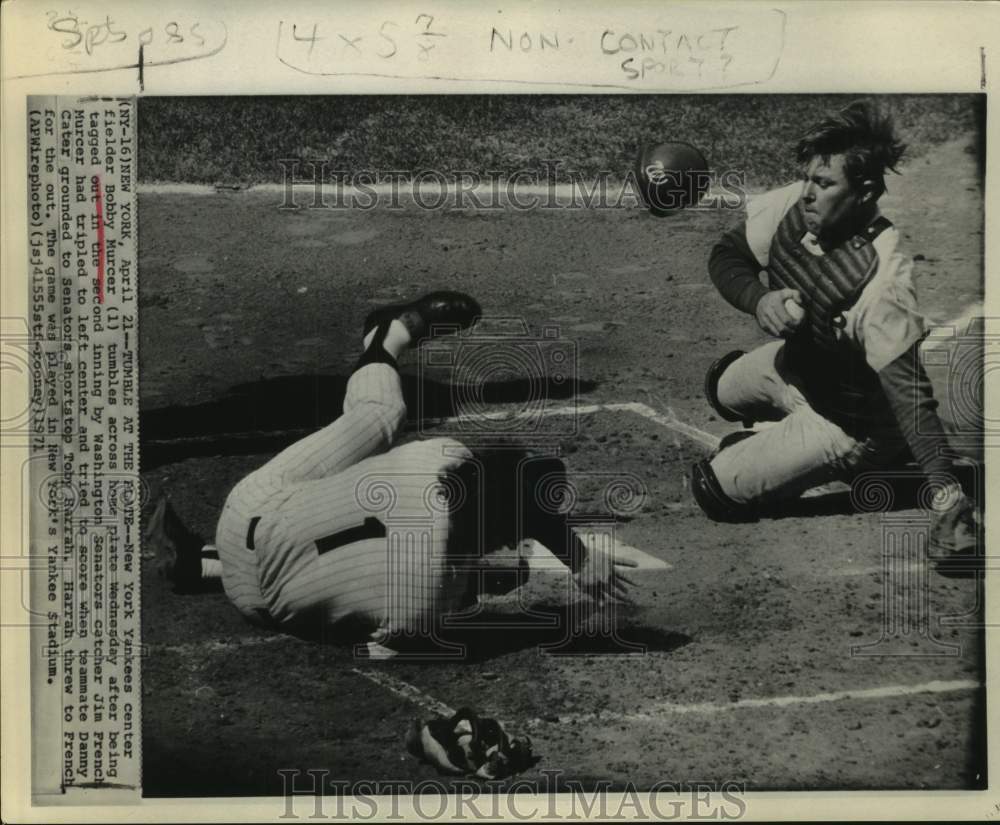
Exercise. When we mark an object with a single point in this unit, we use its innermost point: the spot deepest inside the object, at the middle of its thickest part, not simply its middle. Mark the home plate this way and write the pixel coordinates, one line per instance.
(541, 560)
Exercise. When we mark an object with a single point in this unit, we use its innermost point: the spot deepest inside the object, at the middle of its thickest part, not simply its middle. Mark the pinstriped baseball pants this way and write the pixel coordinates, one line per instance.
(346, 527)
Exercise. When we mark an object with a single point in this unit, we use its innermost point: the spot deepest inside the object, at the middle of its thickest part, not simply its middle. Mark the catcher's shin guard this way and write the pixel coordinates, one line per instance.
(713, 501)
(712, 386)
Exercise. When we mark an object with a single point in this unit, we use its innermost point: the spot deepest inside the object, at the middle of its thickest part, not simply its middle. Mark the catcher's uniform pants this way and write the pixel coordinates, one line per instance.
(802, 450)
(339, 526)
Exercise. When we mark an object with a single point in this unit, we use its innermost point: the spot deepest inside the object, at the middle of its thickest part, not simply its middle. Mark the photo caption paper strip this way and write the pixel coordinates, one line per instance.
(83, 471)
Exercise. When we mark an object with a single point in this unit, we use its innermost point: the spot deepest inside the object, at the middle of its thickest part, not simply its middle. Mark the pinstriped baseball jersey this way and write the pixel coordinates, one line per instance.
(342, 528)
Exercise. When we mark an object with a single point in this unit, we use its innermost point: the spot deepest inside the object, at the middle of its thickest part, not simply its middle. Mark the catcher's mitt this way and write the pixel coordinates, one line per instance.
(469, 744)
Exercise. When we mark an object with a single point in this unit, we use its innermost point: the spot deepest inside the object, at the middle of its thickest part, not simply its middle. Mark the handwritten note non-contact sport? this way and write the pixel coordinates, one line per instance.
(681, 48)
(692, 49)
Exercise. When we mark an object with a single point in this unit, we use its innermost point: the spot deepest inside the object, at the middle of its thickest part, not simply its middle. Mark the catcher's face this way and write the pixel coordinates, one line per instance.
(831, 202)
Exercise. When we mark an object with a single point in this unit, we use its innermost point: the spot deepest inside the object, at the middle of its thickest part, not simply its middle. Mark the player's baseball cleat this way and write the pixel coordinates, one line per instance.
(176, 550)
(713, 501)
(712, 386)
(435, 313)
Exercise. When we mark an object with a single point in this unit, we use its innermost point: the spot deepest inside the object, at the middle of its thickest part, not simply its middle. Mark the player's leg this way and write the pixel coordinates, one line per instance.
(374, 409)
(802, 450)
(748, 387)
(752, 386)
(782, 461)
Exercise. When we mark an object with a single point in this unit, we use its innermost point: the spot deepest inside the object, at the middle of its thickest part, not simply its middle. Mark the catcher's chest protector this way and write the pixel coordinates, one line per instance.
(830, 284)
(837, 379)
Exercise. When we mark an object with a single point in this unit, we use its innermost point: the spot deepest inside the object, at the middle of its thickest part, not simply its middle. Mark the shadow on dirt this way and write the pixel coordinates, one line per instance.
(568, 630)
(268, 415)
(626, 639)
(880, 492)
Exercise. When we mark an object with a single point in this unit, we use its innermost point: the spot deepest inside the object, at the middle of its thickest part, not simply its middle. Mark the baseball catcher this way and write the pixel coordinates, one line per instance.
(843, 379)
(345, 531)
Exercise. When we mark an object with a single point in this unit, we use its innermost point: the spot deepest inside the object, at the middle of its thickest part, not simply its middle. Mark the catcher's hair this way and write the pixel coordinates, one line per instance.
(864, 135)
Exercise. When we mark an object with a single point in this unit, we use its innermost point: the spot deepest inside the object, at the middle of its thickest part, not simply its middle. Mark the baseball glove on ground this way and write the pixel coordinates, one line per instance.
(469, 744)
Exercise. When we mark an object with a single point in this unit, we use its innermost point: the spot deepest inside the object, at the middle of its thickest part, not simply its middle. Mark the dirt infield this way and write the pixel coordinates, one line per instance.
(249, 326)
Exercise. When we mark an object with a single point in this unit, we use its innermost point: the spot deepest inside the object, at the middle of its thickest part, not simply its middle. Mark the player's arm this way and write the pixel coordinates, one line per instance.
(890, 328)
(734, 271)
(911, 397)
(598, 574)
(736, 261)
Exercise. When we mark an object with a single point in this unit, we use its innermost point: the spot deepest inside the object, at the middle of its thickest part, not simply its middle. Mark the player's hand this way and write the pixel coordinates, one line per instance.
(773, 316)
(602, 576)
(956, 526)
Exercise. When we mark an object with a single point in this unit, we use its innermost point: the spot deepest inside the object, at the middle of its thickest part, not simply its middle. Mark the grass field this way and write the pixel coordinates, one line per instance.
(774, 655)
(241, 139)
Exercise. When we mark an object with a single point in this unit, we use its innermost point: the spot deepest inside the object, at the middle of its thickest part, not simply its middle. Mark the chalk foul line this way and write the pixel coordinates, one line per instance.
(665, 710)
(405, 691)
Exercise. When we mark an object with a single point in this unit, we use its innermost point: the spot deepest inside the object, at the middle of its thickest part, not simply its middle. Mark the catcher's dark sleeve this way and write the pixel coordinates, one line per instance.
(912, 400)
(734, 268)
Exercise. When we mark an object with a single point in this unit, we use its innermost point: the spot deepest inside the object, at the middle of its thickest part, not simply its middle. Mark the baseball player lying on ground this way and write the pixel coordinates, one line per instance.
(304, 543)
(844, 379)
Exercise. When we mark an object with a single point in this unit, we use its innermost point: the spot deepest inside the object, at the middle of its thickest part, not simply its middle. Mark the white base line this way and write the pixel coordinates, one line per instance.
(671, 422)
(662, 712)
(406, 691)
(657, 713)
(494, 197)
(668, 421)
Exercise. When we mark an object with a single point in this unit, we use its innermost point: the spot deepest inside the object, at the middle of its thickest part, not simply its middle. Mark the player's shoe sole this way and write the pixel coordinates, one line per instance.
(436, 313)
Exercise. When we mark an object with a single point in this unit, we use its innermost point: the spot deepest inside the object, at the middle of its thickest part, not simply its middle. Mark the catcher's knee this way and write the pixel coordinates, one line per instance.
(712, 386)
(713, 501)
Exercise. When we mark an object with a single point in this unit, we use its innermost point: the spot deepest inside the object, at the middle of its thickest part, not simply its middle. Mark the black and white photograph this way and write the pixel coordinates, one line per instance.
(607, 444)
(622, 458)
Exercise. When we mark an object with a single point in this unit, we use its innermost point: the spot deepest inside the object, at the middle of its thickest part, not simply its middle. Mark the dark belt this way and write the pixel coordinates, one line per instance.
(371, 528)
(250, 532)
